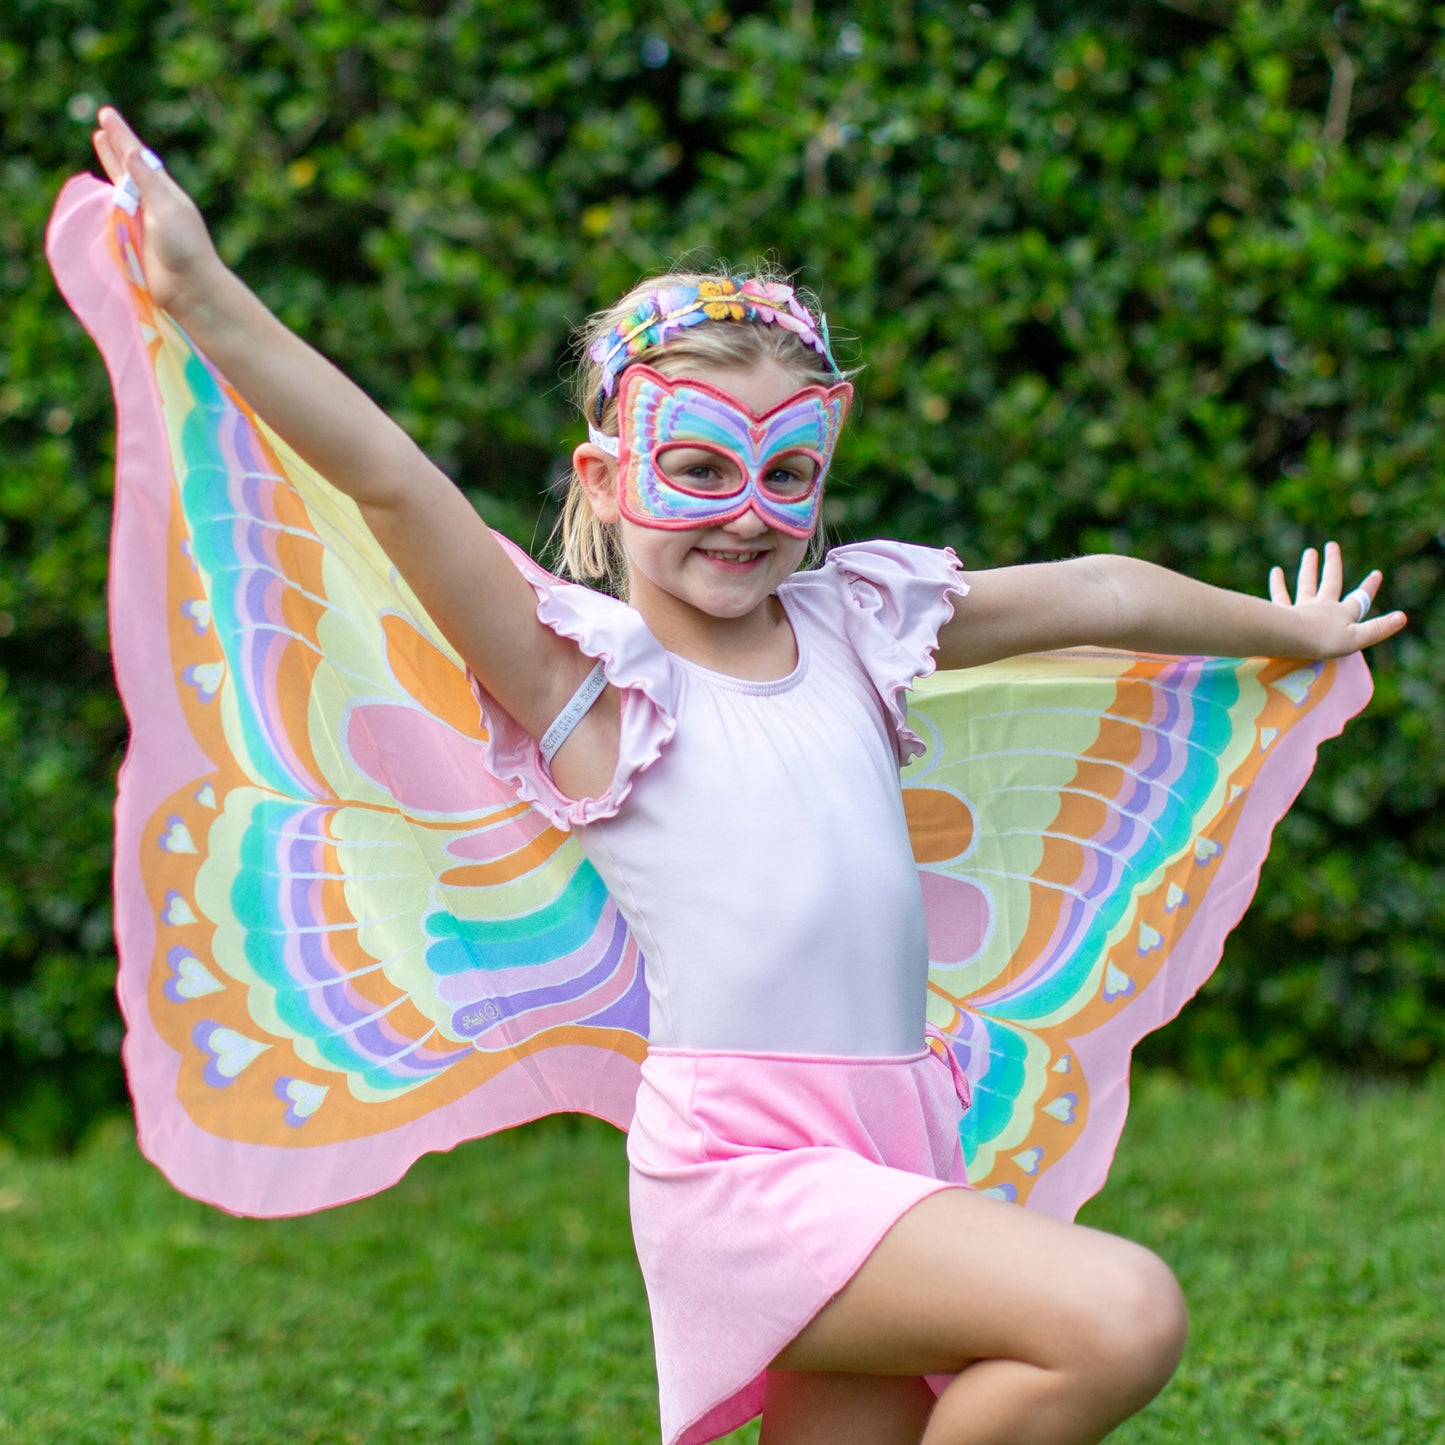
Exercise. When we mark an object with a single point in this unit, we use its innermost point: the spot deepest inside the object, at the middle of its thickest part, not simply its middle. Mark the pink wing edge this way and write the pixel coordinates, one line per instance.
(1104, 1055)
(161, 757)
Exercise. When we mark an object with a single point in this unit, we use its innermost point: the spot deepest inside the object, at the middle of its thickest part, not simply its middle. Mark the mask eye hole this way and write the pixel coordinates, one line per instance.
(702, 470)
(791, 476)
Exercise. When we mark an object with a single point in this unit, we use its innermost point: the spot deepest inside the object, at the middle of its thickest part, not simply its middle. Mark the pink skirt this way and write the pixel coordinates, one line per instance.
(759, 1184)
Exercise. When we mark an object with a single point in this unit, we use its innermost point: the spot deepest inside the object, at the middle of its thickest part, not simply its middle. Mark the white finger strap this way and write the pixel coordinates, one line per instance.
(1361, 599)
(573, 713)
(127, 195)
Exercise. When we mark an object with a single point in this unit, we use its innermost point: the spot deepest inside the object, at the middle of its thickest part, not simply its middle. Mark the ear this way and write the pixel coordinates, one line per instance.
(598, 474)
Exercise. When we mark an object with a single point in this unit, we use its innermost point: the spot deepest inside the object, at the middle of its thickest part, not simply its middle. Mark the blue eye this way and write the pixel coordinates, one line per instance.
(698, 469)
(793, 478)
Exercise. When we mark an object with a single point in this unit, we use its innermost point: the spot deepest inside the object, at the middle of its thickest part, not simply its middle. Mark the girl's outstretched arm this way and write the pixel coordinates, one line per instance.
(1111, 601)
(428, 528)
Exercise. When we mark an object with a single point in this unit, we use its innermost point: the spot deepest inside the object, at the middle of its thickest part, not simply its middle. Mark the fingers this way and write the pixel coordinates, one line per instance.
(1307, 583)
(113, 139)
(1363, 596)
(112, 125)
(1371, 584)
(1332, 579)
(1324, 585)
(109, 159)
(1367, 631)
(1316, 583)
(1377, 629)
(123, 156)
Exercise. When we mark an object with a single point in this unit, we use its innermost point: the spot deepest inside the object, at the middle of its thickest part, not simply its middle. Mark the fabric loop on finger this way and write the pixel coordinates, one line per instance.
(1361, 599)
(127, 195)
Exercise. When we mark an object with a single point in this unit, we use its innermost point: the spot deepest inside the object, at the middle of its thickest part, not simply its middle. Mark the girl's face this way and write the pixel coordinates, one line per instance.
(723, 569)
(691, 455)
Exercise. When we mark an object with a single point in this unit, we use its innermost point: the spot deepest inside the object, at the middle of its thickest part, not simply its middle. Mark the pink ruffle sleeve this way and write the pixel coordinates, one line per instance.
(897, 597)
(635, 663)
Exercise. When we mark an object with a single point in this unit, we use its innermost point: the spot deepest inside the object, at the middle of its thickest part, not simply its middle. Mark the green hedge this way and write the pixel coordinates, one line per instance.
(1164, 279)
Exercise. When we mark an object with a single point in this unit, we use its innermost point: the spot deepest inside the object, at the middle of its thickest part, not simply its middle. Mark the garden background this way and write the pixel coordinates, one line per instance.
(1164, 278)
(1158, 277)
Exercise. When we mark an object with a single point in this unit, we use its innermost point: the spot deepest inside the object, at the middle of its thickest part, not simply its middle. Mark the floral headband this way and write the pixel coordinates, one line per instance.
(726, 298)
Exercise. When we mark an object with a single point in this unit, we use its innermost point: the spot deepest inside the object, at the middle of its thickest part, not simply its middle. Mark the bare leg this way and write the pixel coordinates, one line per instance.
(808, 1408)
(1055, 1332)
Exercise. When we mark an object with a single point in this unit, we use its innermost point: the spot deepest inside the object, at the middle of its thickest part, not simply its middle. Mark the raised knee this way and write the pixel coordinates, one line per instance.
(1139, 1327)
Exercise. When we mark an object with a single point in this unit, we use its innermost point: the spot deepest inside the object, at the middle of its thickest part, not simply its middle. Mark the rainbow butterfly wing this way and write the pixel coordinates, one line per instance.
(341, 937)
(1089, 827)
(344, 943)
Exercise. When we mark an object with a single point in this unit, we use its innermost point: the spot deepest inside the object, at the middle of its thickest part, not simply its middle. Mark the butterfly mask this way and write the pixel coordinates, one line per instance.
(726, 458)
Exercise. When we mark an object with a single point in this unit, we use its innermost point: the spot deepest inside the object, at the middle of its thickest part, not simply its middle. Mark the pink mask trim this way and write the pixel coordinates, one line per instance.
(656, 414)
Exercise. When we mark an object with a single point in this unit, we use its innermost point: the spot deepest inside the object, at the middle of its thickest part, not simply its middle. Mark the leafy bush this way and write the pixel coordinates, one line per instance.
(1164, 279)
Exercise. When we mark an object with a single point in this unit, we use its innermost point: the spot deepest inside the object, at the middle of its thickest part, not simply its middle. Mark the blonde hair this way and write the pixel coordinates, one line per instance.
(589, 549)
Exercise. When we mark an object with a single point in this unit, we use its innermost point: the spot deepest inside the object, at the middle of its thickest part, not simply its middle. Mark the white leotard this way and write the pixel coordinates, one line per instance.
(754, 835)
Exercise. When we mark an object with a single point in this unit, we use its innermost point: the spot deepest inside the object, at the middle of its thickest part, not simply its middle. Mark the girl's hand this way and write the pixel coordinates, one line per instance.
(176, 250)
(1338, 625)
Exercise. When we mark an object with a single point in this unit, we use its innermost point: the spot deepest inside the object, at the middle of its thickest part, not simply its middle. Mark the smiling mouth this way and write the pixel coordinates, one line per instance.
(738, 557)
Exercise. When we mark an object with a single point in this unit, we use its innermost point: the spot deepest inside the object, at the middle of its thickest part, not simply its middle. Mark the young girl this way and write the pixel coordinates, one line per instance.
(720, 743)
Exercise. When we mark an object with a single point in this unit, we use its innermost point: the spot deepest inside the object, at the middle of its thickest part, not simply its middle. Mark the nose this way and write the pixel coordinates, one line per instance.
(751, 523)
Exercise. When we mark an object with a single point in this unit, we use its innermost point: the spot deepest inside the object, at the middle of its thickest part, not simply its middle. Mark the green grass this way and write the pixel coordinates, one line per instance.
(492, 1296)
(1309, 1234)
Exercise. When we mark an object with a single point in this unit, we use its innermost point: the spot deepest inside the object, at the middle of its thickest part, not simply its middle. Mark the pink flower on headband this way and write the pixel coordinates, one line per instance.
(776, 292)
(781, 305)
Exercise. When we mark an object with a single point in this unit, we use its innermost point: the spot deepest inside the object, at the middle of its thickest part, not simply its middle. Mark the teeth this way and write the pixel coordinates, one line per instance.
(732, 556)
